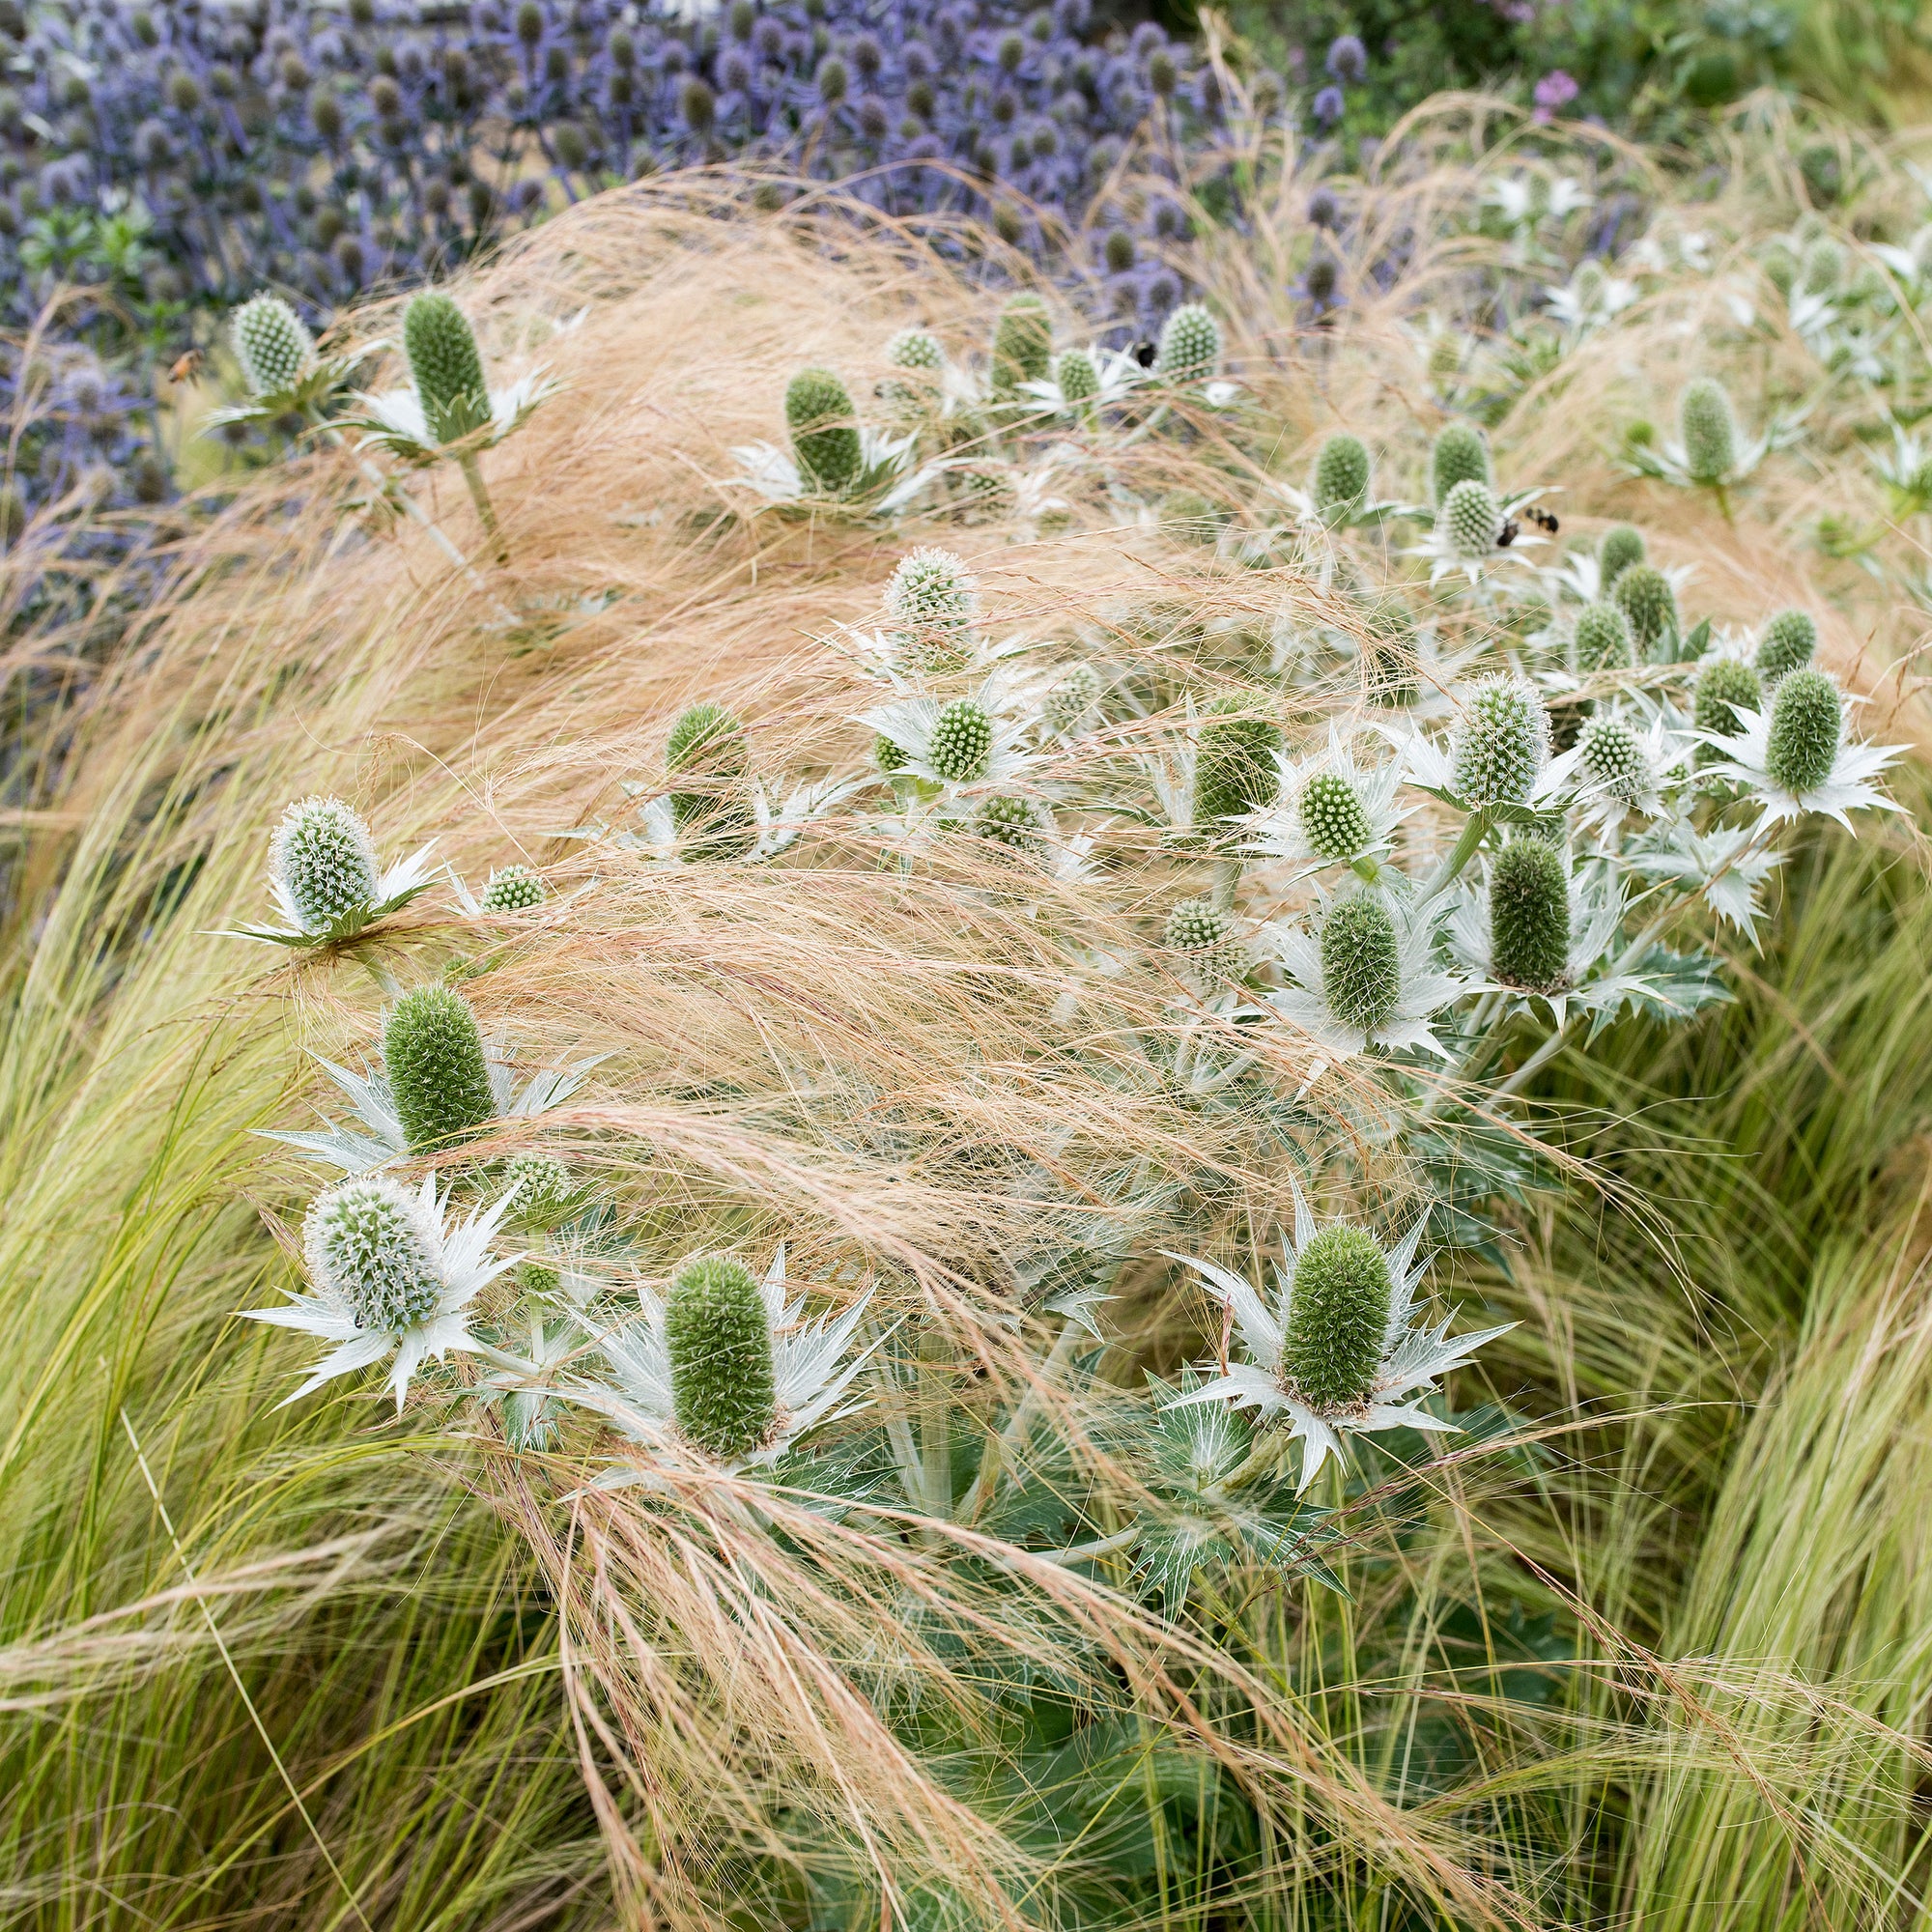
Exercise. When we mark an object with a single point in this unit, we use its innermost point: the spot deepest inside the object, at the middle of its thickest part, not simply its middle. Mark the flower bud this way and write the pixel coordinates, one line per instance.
(1472, 519)
(1079, 380)
(1204, 935)
(512, 889)
(1602, 637)
(961, 746)
(1621, 547)
(724, 1384)
(1500, 742)
(1462, 455)
(1011, 822)
(1788, 644)
(1341, 481)
(1529, 915)
(538, 1185)
(1708, 429)
(322, 856)
(915, 349)
(1361, 962)
(1338, 1317)
(707, 744)
(444, 365)
(1067, 704)
(1643, 594)
(275, 349)
(1807, 724)
(1333, 819)
(369, 1243)
(931, 600)
(1723, 683)
(1022, 343)
(1612, 757)
(1190, 345)
(824, 430)
(439, 1078)
(1235, 769)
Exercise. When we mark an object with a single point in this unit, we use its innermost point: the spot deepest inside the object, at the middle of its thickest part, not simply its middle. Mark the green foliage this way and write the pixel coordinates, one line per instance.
(1361, 962)
(1338, 1315)
(824, 430)
(718, 1338)
(1530, 915)
(438, 1077)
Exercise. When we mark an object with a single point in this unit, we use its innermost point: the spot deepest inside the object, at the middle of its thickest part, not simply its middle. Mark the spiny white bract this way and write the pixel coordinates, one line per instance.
(273, 347)
(372, 1244)
(325, 859)
(1501, 743)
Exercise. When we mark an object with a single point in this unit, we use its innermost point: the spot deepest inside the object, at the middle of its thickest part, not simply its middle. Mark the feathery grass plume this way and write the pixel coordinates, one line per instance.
(273, 347)
(962, 742)
(1472, 518)
(1603, 638)
(539, 1188)
(1788, 643)
(1022, 344)
(325, 859)
(1807, 726)
(512, 889)
(1078, 381)
(1722, 684)
(1708, 429)
(1530, 915)
(1235, 771)
(1190, 347)
(1621, 547)
(1612, 756)
(1012, 822)
(1338, 1317)
(708, 746)
(1643, 594)
(1334, 822)
(1462, 455)
(1361, 962)
(438, 1075)
(1071, 699)
(445, 366)
(1198, 929)
(719, 1337)
(1342, 475)
(368, 1240)
(1500, 742)
(931, 599)
(824, 427)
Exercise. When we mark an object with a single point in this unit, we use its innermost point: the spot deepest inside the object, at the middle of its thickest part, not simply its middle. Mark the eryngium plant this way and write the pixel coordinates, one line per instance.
(325, 859)
(824, 428)
(438, 1074)
(1530, 915)
(712, 812)
(1709, 430)
(1190, 347)
(1022, 345)
(513, 888)
(1342, 475)
(1643, 594)
(1235, 771)
(1470, 517)
(1621, 547)
(1788, 643)
(1603, 638)
(1462, 455)
(273, 347)
(718, 1335)
(445, 366)
(1501, 743)
(931, 600)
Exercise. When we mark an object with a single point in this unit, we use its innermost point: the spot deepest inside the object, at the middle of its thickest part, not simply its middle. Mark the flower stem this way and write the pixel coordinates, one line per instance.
(472, 475)
(1463, 850)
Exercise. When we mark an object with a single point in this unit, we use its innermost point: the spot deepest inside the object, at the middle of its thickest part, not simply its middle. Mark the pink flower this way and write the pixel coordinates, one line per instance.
(1553, 91)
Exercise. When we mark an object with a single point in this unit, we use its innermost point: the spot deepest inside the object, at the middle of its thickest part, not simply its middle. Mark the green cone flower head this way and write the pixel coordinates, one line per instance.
(512, 889)
(1341, 481)
(1723, 683)
(1621, 547)
(931, 599)
(1361, 962)
(1338, 1317)
(1204, 935)
(886, 755)
(1602, 637)
(1807, 726)
(1708, 429)
(1334, 822)
(275, 349)
(539, 1184)
(824, 432)
(370, 1242)
(1462, 455)
(706, 744)
(1472, 519)
(1235, 769)
(1612, 756)
(1078, 378)
(1190, 345)
(1500, 742)
(1587, 285)
(916, 349)
(1643, 594)
(1189, 517)
(1789, 640)
(961, 746)
(438, 1077)
(724, 1384)
(1824, 268)
(1011, 822)
(445, 366)
(325, 859)
(1070, 700)
(1529, 915)
(1022, 343)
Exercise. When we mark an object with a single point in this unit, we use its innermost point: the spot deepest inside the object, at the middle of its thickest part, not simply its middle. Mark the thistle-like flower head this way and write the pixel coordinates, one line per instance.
(1501, 743)
(1203, 939)
(1461, 455)
(1470, 519)
(1789, 642)
(324, 859)
(932, 599)
(1643, 594)
(969, 742)
(1022, 344)
(1807, 728)
(1601, 637)
(437, 1072)
(1331, 810)
(538, 1186)
(824, 428)
(1538, 925)
(1708, 429)
(1621, 547)
(444, 366)
(916, 349)
(513, 888)
(1190, 346)
(1078, 379)
(1018, 824)
(1237, 767)
(1724, 686)
(711, 810)
(718, 1336)
(1342, 476)
(273, 347)
(1070, 700)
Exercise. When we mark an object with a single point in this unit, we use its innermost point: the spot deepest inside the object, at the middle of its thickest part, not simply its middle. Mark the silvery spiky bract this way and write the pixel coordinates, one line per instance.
(273, 347)
(824, 430)
(717, 1338)
(437, 1072)
(326, 878)
(1621, 547)
(1708, 429)
(1603, 638)
(387, 1274)
(1470, 519)
(931, 599)
(1643, 594)
(1365, 976)
(1789, 642)
(1342, 475)
(1461, 455)
(1190, 345)
(1333, 809)
(513, 888)
(1330, 1342)
(1500, 742)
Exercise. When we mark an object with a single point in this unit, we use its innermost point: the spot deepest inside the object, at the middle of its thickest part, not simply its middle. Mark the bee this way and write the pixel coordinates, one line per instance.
(186, 367)
(1542, 518)
(1144, 354)
(1508, 534)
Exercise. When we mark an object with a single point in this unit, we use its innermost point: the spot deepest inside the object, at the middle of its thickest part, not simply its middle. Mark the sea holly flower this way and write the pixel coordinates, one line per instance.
(1622, 770)
(1341, 481)
(834, 458)
(970, 741)
(1537, 925)
(1191, 346)
(1789, 642)
(1591, 297)
(1203, 940)
(1475, 531)
(1337, 1349)
(509, 889)
(724, 1367)
(1648, 601)
(280, 367)
(1600, 640)
(711, 812)
(1710, 451)
(327, 881)
(1365, 976)
(1082, 381)
(1793, 757)
(1022, 349)
(932, 601)
(1069, 701)
(1461, 454)
(1237, 767)
(1497, 760)
(1331, 812)
(389, 1275)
